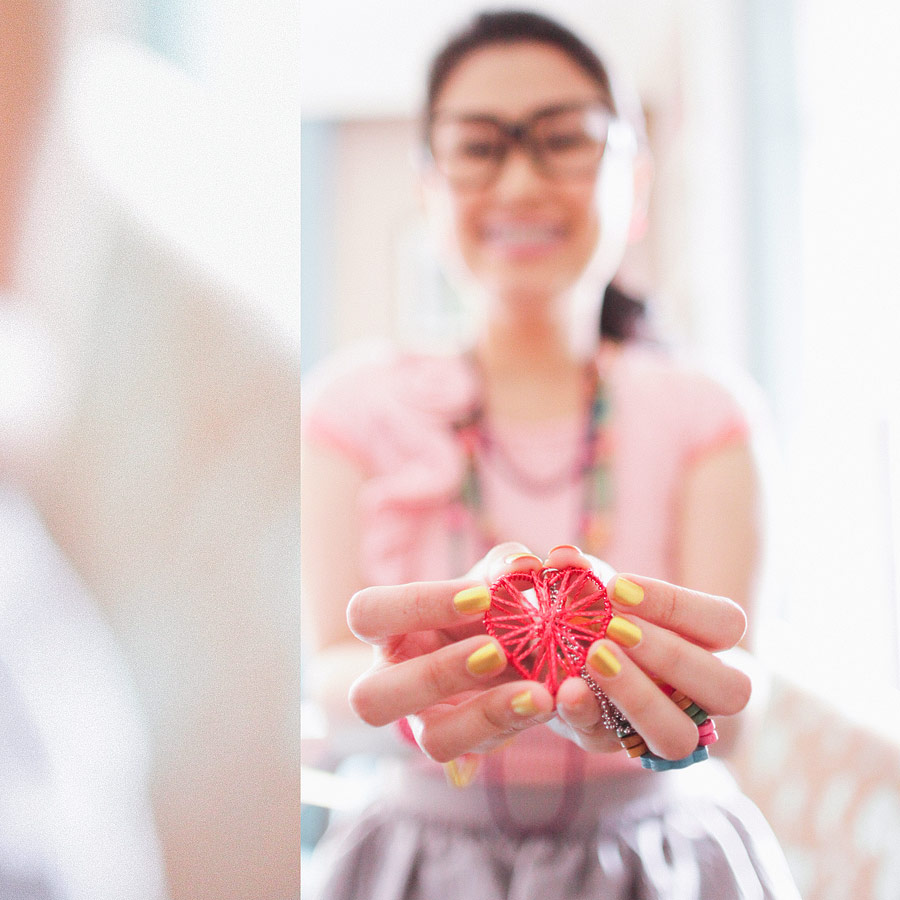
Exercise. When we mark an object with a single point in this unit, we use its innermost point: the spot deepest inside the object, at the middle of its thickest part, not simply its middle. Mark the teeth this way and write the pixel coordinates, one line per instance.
(522, 233)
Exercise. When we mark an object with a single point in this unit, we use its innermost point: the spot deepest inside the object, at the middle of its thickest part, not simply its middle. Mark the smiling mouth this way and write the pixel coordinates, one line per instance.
(522, 242)
(524, 234)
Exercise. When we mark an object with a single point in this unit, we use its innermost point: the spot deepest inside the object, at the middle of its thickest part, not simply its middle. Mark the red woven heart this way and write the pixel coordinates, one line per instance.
(546, 620)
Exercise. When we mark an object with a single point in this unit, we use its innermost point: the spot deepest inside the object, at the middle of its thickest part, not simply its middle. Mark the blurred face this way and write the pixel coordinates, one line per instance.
(518, 136)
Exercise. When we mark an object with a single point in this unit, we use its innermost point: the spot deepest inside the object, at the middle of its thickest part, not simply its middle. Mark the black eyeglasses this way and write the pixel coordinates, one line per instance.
(563, 142)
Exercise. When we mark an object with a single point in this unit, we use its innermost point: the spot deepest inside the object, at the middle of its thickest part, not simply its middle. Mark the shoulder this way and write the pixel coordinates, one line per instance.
(344, 372)
(698, 404)
(672, 377)
(369, 389)
(383, 374)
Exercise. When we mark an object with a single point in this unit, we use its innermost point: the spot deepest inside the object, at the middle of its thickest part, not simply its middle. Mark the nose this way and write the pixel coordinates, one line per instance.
(519, 174)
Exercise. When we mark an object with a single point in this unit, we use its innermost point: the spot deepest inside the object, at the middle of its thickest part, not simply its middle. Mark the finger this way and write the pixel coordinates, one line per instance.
(567, 556)
(375, 614)
(480, 723)
(667, 731)
(510, 557)
(387, 693)
(578, 710)
(717, 687)
(577, 706)
(715, 623)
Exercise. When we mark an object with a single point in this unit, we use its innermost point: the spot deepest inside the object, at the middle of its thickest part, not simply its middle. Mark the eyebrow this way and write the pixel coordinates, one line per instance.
(565, 106)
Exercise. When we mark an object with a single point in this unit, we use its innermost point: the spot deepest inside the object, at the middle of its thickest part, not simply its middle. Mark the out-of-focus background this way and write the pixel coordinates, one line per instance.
(149, 430)
(771, 249)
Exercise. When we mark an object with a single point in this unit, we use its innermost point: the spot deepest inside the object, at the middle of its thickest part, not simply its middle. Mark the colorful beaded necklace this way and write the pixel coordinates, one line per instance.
(592, 468)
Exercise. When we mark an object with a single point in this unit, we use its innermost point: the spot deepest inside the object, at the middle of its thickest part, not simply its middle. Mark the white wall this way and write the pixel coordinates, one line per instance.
(844, 500)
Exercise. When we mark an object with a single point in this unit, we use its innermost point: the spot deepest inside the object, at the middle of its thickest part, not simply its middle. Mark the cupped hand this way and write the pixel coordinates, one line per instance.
(436, 665)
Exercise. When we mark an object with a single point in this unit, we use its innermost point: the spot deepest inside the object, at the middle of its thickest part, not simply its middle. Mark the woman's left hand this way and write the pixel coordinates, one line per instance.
(674, 633)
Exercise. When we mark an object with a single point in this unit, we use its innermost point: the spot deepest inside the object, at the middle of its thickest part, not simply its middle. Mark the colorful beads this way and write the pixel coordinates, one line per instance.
(658, 764)
(690, 709)
(680, 700)
(635, 746)
(700, 716)
(708, 733)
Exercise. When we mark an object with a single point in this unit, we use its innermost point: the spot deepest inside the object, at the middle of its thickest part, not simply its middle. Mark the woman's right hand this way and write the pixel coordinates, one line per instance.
(436, 665)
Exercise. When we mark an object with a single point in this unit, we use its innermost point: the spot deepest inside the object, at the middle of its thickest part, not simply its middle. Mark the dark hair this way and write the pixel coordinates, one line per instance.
(511, 27)
(623, 317)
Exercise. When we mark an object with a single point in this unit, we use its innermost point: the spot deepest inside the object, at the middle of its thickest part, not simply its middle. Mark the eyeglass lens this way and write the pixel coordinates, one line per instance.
(563, 143)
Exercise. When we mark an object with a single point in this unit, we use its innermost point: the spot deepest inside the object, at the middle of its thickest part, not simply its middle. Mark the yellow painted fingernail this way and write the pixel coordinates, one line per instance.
(628, 592)
(623, 632)
(472, 600)
(523, 704)
(603, 660)
(461, 771)
(486, 659)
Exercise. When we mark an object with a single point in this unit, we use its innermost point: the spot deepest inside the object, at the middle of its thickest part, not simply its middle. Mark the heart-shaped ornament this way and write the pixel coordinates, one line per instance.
(547, 619)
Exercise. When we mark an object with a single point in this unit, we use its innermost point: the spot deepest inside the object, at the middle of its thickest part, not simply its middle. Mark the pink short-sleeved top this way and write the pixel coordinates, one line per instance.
(392, 414)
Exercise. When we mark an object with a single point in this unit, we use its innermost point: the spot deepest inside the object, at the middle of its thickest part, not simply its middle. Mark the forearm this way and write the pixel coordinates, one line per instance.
(719, 546)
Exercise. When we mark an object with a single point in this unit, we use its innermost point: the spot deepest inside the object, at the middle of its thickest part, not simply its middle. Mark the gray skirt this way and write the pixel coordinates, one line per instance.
(676, 835)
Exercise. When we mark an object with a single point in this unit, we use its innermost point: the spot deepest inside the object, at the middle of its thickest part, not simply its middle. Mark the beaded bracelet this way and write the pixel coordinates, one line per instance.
(635, 746)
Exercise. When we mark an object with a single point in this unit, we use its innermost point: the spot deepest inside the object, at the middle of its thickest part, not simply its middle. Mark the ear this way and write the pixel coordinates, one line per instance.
(643, 185)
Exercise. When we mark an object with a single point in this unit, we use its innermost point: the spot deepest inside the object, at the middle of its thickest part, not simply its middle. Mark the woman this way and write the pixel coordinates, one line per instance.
(536, 436)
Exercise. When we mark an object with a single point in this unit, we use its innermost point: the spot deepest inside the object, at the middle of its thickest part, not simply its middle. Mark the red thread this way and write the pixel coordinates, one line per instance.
(546, 635)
